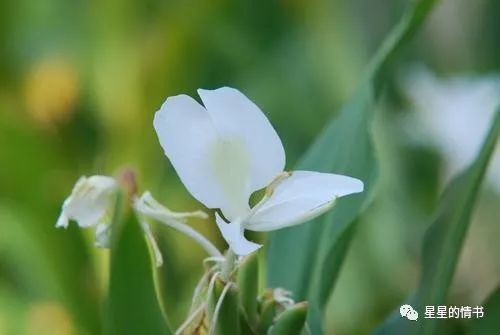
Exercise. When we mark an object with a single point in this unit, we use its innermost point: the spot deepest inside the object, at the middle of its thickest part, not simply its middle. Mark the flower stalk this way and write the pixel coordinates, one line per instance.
(147, 206)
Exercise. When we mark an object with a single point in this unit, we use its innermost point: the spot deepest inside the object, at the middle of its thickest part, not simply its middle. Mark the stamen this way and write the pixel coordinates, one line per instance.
(152, 202)
(269, 192)
(146, 205)
(149, 235)
(277, 180)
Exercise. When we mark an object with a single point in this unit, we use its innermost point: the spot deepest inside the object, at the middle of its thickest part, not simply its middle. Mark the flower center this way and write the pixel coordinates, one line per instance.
(231, 167)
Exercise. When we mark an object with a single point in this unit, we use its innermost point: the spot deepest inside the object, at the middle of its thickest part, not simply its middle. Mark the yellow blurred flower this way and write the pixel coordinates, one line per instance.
(48, 318)
(51, 90)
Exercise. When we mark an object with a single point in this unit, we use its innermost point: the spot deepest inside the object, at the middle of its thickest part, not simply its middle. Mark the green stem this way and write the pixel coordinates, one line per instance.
(228, 265)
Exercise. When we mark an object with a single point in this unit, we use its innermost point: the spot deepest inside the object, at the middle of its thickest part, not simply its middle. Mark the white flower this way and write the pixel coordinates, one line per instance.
(226, 150)
(91, 204)
(455, 114)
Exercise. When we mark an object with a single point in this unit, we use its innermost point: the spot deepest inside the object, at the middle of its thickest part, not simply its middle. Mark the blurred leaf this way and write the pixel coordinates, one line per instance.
(306, 259)
(443, 242)
(291, 321)
(268, 312)
(12, 311)
(45, 264)
(491, 321)
(133, 307)
(248, 283)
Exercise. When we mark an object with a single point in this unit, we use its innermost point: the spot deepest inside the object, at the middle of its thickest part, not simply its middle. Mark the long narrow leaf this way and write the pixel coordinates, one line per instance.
(306, 259)
(132, 306)
(491, 320)
(443, 242)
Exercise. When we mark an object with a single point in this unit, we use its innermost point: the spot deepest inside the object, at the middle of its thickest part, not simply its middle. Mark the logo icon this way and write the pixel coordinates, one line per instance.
(408, 312)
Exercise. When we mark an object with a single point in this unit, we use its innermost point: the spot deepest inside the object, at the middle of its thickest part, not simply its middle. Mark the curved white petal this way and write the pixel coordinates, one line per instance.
(62, 221)
(186, 133)
(223, 152)
(301, 197)
(233, 234)
(235, 116)
(213, 169)
(90, 202)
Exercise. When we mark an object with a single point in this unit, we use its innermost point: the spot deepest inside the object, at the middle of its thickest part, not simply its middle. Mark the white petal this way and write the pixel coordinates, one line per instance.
(233, 234)
(213, 169)
(62, 221)
(235, 116)
(86, 213)
(301, 197)
(90, 203)
(102, 183)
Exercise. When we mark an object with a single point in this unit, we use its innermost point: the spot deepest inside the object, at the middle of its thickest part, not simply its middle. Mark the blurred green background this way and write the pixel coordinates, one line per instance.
(81, 80)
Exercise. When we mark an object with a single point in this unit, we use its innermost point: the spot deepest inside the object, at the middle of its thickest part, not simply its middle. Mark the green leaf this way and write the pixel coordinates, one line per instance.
(443, 242)
(56, 264)
(132, 306)
(268, 312)
(228, 317)
(491, 321)
(291, 321)
(248, 283)
(306, 259)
